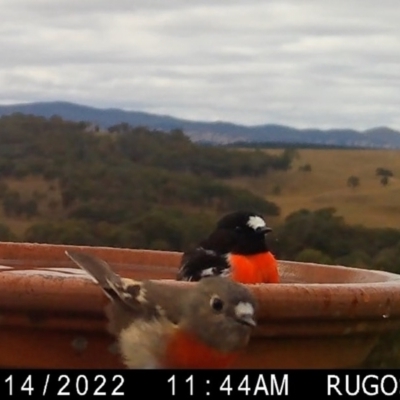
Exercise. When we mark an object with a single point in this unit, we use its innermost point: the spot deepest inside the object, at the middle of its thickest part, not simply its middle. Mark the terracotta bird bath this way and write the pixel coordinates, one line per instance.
(320, 316)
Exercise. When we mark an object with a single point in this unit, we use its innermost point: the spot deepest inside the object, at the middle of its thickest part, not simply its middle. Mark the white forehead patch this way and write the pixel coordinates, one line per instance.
(255, 222)
(244, 309)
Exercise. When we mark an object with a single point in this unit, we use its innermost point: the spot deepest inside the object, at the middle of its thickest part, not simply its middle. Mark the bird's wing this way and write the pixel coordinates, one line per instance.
(101, 272)
(145, 299)
(201, 263)
(128, 291)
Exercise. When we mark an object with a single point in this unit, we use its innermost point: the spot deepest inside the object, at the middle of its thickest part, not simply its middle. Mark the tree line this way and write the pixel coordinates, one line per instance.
(322, 236)
(128, 187)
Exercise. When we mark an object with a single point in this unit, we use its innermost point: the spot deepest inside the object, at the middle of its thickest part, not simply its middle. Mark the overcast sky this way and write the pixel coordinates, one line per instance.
(304, 63)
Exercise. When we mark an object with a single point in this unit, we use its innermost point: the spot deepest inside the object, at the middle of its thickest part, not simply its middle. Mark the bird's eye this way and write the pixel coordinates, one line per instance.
(216, 303)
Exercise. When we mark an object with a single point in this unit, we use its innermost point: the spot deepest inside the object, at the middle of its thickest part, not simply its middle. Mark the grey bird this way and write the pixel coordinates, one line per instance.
(181, 325)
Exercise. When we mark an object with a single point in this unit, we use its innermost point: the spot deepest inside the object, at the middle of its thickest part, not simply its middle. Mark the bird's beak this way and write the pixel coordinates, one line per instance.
(264, 230)
(247, 319)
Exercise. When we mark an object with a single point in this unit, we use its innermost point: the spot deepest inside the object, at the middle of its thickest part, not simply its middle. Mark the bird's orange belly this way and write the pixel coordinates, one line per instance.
(257, 268)
(185, 351)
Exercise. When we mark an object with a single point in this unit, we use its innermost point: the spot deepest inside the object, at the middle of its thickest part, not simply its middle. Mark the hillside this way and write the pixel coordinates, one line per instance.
(214, 132)
(131, 187)
(370, 204)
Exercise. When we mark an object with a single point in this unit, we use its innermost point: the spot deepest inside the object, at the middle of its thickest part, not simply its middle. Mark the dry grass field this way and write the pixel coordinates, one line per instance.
(370, 204)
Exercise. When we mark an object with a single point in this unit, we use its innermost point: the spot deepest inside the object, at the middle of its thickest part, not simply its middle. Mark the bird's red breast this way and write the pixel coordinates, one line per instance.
(256, 268)
(186, 351)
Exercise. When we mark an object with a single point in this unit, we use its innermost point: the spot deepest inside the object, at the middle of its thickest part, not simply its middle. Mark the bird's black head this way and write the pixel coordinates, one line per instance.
(249, 230)
(244, 221)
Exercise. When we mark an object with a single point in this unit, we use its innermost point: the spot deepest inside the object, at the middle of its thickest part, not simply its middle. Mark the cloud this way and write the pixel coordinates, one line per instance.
(308, 63)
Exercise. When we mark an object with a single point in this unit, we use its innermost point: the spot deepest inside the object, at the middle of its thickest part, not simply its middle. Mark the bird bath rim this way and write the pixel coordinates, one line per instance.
(321, 291)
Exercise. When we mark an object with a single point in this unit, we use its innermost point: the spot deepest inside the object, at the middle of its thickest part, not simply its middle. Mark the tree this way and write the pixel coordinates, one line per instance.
(384, 180)
(12, 203)
(305, 168)
(6, 235)
(30, 208)
(384, 172)
(353, 181)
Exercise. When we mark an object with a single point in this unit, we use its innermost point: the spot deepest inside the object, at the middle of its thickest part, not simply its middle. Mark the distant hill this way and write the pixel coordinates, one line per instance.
(212, 132)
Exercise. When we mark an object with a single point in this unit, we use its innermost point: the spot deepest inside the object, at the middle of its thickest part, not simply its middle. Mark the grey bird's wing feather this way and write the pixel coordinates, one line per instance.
(146, 299)
(98, 269)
